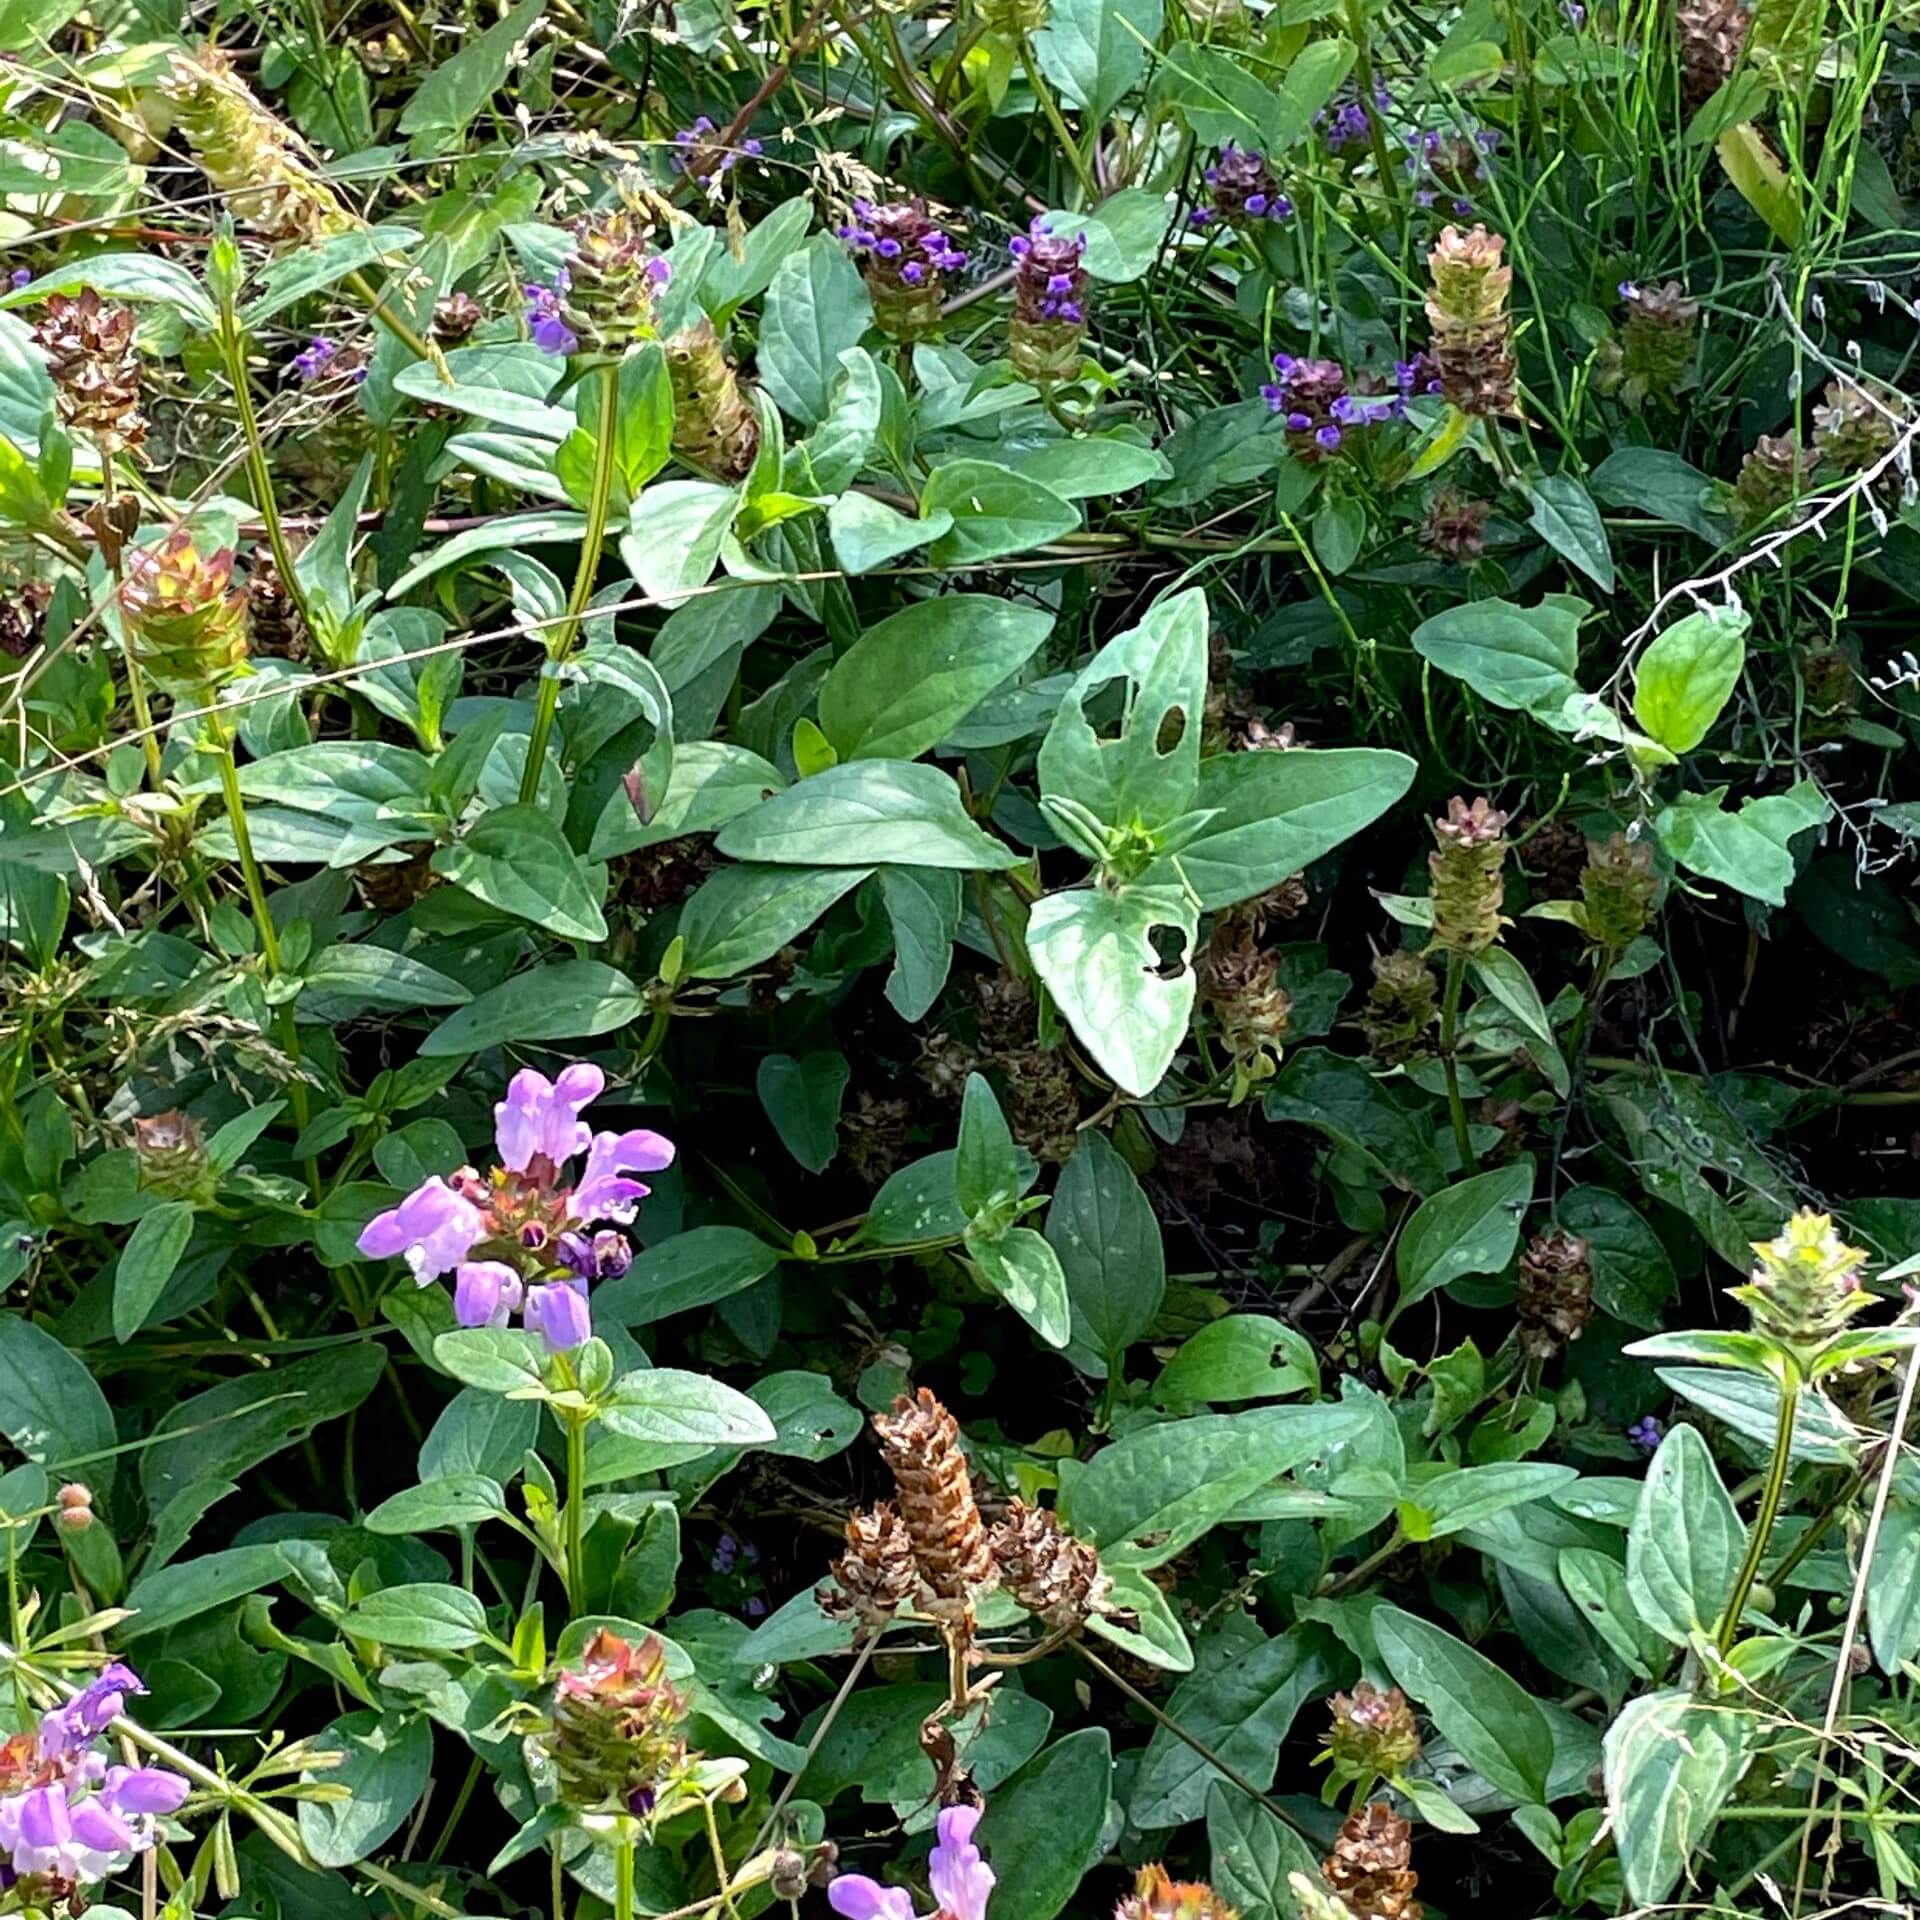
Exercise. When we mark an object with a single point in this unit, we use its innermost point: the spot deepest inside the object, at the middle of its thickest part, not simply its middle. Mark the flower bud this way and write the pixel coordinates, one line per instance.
(788, 1878)
(76, 1507)
(1777, 469)
(1805, 1285)
(1373, 1735)
(1472, 329)
(602, 299)
(1852, 427)
(616, 1733)
(1401, 1005)
(1651, 352)
(1465, 868)
(1617, 886)
(171, 1153)
(185, 618)
(1454, 526)
(1243, 188)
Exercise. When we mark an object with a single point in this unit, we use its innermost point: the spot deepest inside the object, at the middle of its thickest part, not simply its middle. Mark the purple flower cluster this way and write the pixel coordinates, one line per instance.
(323, 359)
(1050, 281)
(1448, 165)
(690, 140)
(1646, 1432)
(547, 314)
(1350, 124)
(1319, 409)
(1243, 188)
(517, 1240)
(66, 1815)
(900, 240)
(960, 1879)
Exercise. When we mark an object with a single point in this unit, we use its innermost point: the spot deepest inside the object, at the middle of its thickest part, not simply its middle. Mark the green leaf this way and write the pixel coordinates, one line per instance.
(123, 276)
(480, 1434)
(1685, 1544)
(996, 511)
(1470, 1496)
(518, 860)
(1597, 1584)
(1748, 850)
(1276, 813)
(986, 1174)
(507, 382)
(50, 1407)
(811, 1421)
(1322, 1089)
(1633, 1276)
(923, 908)
(1095, 51)
(494, 1359)
(566, 1000)
(1252, 1855)
(1497, 1727)
(421, 1616)
(867, 533)
(905, 684)
(1660, 485)
(643, 432)
(675, 533)
(185, 1590)
(1094, 951)
(831, 458)
(1671, 1761)
(1154, 1634)
(1245, 1356)
(1123, 237)
(802, 1099)
(863, 814)
(737, 272)
(743, 915)
(1042, 1830)
(671, 1408)
(297, 275)
(1240, 1702)
(1893, 1591)
(1516, 657)
(1103, 1228)
(347, 980)
(817, 306)
(518, 531)
(1688, 674)
(1506, 978)
(455, 91)
(1565, 517)
(1751, 1406)
(1217, 98)
(1024, 1271)
(1470, 1227)
(382, 1761)
(1760, 180)
(146, 1264)
(1153, 1493)
(693, 1269)
(457, 1500)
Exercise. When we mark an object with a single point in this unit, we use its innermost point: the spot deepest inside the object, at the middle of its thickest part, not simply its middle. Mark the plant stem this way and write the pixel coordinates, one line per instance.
(233, 349)
(1050, 107)
(376, 300)
(576, 1533)
(623, 1876)
(136, 681)
(1764, 1519)
(1449, 1033)
(561, 644)
(243, 844)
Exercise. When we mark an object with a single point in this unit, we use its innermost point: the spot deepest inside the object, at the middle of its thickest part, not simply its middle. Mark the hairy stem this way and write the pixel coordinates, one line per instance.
(1763, 1520)
(1449, 1060)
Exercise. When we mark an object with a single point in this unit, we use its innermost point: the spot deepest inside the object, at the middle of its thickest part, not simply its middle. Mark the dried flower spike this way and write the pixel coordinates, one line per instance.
(1454, 526)
(1465, 868)
(1651, 352)
(1852, 427)
(920, 1441)
(1402, 1005)
(94, 366)
(876, 1576)
(1553, 1299)
(1054, 1576)
(1710, 35)
(1369, 1867)
(1472, 329)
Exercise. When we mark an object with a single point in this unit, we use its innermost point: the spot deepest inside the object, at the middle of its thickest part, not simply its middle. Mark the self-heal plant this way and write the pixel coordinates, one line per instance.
(519, 1237)
(69, 1815)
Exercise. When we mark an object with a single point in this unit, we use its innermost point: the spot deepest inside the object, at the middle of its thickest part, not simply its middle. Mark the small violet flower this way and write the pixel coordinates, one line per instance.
(546, 314)
(1646, 1432)
(960, 1879)
(527, 1238)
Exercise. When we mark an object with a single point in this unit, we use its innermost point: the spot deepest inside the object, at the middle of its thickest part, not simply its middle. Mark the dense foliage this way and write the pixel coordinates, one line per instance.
(958, 958)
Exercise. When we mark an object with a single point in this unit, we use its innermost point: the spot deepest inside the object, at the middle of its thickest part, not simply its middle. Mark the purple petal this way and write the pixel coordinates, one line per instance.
(855, 1897)
(960, 1879)
(145, 1790)
(484, 1293)
(602, 1193)
(558, 1314)
(433, 1229)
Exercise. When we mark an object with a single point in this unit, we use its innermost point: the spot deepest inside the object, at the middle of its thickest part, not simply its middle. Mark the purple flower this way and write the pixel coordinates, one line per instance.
(1646, 1432)
(21, 277)
(433, 1229)
(68, 1728)
(144, 1791)
(601, 1256)
(1329, 437)
(960, 1879)
(485, 1292)
(546, 314)
(855, 1897)
(1575, 13)
(755, 1609)
(558, 1314)
(1628, 290)
(314, 359)
(604, 1193)
(541, 1117)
